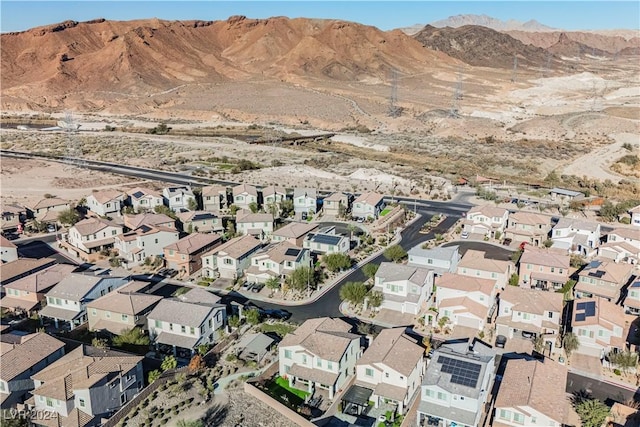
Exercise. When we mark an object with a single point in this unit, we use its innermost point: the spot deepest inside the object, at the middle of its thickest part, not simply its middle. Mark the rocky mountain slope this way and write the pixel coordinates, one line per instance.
(489, 22)
(611, 43)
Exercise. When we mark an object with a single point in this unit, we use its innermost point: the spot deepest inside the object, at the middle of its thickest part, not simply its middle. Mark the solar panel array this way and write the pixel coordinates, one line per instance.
(580, 317)
(462, 372)
(326, 239)
(292, 252)
(584, 310)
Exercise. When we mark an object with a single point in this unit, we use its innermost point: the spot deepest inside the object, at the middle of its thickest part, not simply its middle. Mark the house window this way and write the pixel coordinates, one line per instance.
(58, 301)
(553, 269)
(158, 323)
(108, 314)
(183, 329)
(329, 365)
(171, 326)
(192, 331)
(304, 359)
(429, 261)
(386, 374)
(94, 312)
(228, 261)
(550, 314)
(494, 275)
(368, 372)
(287, 354)
(114, 232)
(123, 398)
(533, 420)
(202, 330)
(125, 318)
(81, 402)
(504, 414)
(442, 396)
(49, 401)
(319, 362)
(518, 418)
(529, 267)
(429, 393)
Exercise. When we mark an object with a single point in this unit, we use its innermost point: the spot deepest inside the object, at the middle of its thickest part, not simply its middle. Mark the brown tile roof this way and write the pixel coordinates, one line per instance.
(19, 303)
(635, 209)
(391, 391)
(278, 252)
(539, 385)
(214, 190)
(370, 198)
(23, 265)
(529, 218)
(537, 256)
(243, 216)
(469, 305)
(609, 271)
(245, 188)
(6, 243)
(295, 230)
(43, 280)
(627, 233)
(236, 247)
(271, 190)
(531, 300)
(476, 260)
(465, 283)
(49, 203)
(315, 375)
(145, 192)
(126, 300)
(13, 209)
(621, 246)
(395, 349)
(105, 196)
(150, 219)
(325, 337)
(488, 211)
(93, 225)
(606, 311)
(193, 243)
(76, 418)
(20, 357)
(190, 309)
(190, 215)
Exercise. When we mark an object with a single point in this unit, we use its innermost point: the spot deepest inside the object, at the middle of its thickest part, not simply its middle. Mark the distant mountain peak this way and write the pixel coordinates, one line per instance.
(493, 23)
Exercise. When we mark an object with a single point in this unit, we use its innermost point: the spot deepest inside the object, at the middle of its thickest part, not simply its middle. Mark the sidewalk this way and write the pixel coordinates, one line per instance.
(604, 379)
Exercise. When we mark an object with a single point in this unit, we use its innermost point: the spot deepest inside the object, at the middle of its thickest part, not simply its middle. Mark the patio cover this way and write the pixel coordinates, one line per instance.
(18, 303)
(177, 340)
(59, 313)
(357, 395)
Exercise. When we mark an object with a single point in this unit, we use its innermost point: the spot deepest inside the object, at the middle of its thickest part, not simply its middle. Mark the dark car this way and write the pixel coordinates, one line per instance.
(527, 334)
(257, 288)
(276, 314)
(507, 242)
(501, 340)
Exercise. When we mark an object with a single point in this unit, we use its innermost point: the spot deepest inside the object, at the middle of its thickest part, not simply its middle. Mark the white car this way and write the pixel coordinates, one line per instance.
(464, 235)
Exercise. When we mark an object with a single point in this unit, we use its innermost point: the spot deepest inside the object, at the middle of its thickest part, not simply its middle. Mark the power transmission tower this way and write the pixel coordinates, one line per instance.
(394, 109)
(514, 72)
(547, 66)
(597, 97)
(454, 111)
(73, 155)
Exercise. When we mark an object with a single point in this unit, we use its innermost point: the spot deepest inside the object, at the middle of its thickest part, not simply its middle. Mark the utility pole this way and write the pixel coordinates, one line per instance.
(514, 73)
(394, 110)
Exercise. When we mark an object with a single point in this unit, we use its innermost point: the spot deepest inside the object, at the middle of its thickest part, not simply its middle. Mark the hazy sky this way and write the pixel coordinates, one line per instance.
(386, 15)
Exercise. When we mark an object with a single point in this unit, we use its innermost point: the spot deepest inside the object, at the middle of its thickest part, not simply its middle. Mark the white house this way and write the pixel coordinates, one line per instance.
(93, 234)
(623, 244)
(178, 198)
(200, 222)
(601, 326)
(105, 202)
(8, 251)
(368, 205)
(404, 288)
(277, 260)
(486, 220)
(326, 241)
(305, 200)
(244, 195)
(440, 259)
(145, 241)
(576, 236)
(632, 300)
(214, 198)
(231, 259)
(273, 195)
(391, 368)
(475, 264)
(142, 199)
(259, 225)
(464, 300)
(635, 216)
(321, 353)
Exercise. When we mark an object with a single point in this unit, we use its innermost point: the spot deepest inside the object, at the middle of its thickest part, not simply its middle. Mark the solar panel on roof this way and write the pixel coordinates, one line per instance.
(594, 264)
(462, 372)
(292, 252)
(326, 239)
(590, 308)
(138, 194)
(598, 273)
(580, 317)
(580, 305)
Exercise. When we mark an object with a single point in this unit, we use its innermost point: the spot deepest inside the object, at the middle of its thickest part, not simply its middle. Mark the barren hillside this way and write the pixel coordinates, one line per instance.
(610, 43)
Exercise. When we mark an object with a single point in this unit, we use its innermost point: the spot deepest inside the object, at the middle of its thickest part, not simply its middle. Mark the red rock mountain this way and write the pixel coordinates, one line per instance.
(606, 43)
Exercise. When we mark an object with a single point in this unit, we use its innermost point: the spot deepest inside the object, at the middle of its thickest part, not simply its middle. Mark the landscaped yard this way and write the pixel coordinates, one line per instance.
(279, 389)
(385, 211)
(285, 384)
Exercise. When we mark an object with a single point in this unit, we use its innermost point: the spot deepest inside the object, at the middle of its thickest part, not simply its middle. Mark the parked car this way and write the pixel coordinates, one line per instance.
(507, 242)
(257, 287)
(464, 235)
(527, 334)
(501, 340)
(276, 314)
(171, 272)
(51, 228)
(246, 286)
(304, 216)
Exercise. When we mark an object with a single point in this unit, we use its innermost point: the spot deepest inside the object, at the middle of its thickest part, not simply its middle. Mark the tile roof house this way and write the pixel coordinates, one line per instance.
(623, 244)
(20, 357)
(486, 220)
(337, 204)
(259, 225)
(276, 260)
(293, 232)
(305, 200)
(326, 241)
(543, 268)
(457, 384)
(185, 322)
(600, 325)
(178, 198)
(321, 353)
(368, 205)
(632, 299)
(12, 216)
(214, 198)
(404, 288)
(529, 310)
(273, 195)
(231, 259)
(92, 235)
(23, 267)
(143, 199)
(440, 259)
(603, 279)
(26, 294)
(635, 215)
(532, 392)
(528, 227)
(185, 254)
(576, 236)
(149, 219)
(392, 368)
(144, 242)
(474, 263)
(85, 385)
(47, 209)
(8, 251)
(67, 301)
(244, 195)
(105, 202)
(200, 222)
(123, 308)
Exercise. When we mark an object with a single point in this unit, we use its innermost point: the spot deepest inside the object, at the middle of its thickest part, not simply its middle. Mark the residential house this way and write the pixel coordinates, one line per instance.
(20, 357)
(214, 198)
(635, 216)
(178, 198)
(565, 195)
(67, 301)
(632, 300)
(576, 236)
(143, 200)
(600, 325)
(23, 267)
(200, 222)
(528, 227)
(326, 241)
(273, 195)
(124, 308)
(486, 220)
(149, 219)
(532, 392)
(457, 384)
(623, 244)
(86, 385)
(244, 195)
(404, 288)
(12, 216)
(48, 209)
(92, 235)
(543, 268)
(368, 205)
(305, 200)
(464, 300)
(530, 310)
(231, 259)
(188, 321)
(604, 279)
(474, 263)
(293, 232)
(391, 368)
(321, 353)
(8, 251)
(276, 260)
(259, 225)
(440, 259)
(337, 204)
(105, 202)
(144, 242)
(185, 254)
(26, 294)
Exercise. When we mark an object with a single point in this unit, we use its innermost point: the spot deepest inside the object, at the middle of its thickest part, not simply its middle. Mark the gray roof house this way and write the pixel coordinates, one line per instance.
(439, 259)
(404, 288)
(305, 200)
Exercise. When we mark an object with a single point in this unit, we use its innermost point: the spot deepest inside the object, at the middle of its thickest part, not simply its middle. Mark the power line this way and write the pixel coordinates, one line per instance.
(394, 109)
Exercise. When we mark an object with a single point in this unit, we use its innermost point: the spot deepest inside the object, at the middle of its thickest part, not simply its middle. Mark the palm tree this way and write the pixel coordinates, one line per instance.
(273, 283)
(570, 343)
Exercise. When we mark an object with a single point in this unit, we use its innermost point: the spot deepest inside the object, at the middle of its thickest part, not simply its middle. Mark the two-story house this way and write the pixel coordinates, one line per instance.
(531, 393)
(231, 259)
(293, 232)
(12, 216)
(321, 353)
(178, 198)
(464, 300)
(529, 310)
(604, 279)
(86, 385)
(273, 195)
(67, 301)
(123, 308)
(259, 225)
(26, 294)
(22, 267)
(144, 242)
(276, 260)
(404, 288)
(391, 368)
(105, 202)
(486, 220)
(368, 205)
(474, 263)
(200, 222)
(600, 325)
(92, 235)
(326, 241)
(632, 300)
(576, 236)
(244, 195)
(143, 200)
(440, 259)
(336, 205)
(149, 219)
(528, 227)
(48, 209)
(623, 245)
(8, 251)
(188, 321)
(185, 254)
(20, 357)
(457, 384)
(305, 200)
(543, 268)
(214, 198)
(635, 215)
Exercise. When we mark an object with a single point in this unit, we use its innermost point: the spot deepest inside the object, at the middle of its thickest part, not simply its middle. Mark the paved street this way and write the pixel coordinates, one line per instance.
(604, 391)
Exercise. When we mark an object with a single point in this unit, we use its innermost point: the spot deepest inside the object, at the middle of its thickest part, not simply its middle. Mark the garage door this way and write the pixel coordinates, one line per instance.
(468, 321)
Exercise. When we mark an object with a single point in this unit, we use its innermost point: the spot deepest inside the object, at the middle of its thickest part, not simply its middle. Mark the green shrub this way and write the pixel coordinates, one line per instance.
(617, 372)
